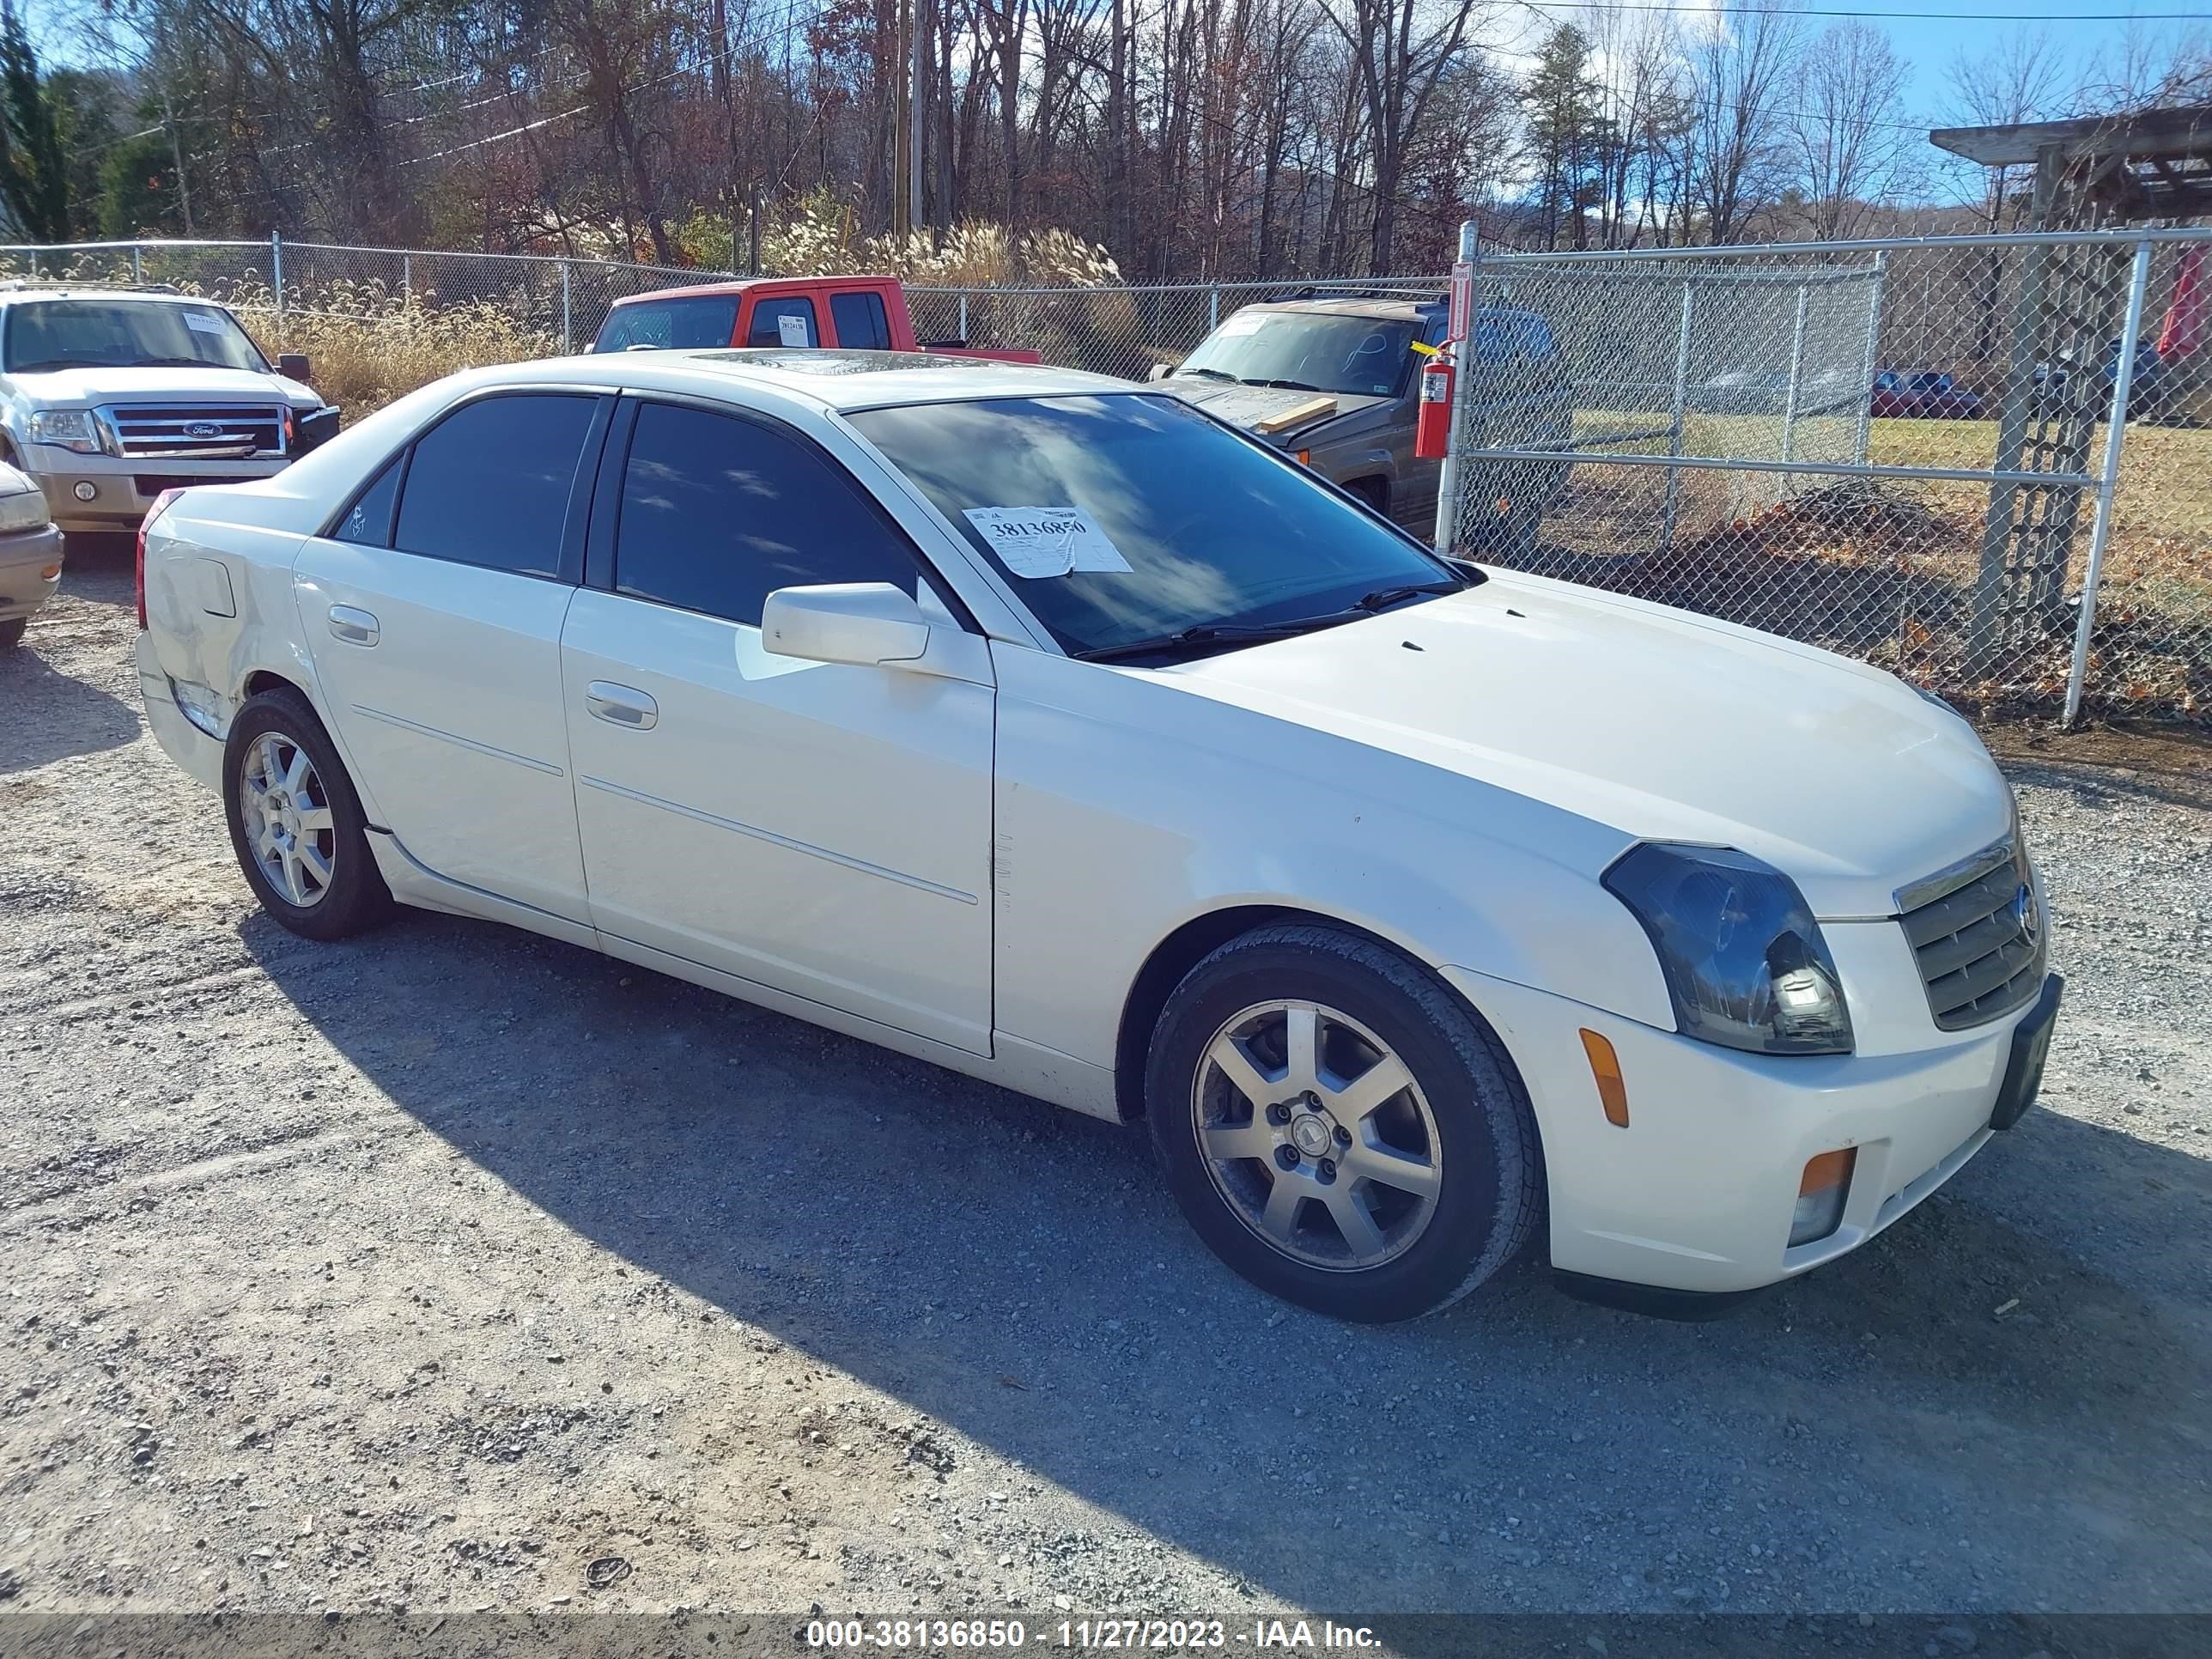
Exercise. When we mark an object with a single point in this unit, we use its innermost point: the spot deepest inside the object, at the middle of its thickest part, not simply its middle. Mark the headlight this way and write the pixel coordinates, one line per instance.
(24, 510)
(1745, 962)
(65, 429)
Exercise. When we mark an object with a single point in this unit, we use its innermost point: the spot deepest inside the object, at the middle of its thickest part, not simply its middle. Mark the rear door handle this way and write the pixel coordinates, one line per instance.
(354, 626)
(622, 705)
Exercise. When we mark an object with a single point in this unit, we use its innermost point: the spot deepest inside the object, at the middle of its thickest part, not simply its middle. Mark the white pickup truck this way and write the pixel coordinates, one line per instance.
(109, 395)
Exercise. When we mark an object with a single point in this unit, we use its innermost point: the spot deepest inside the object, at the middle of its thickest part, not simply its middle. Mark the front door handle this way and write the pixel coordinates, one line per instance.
(355, 627)
(622, 705)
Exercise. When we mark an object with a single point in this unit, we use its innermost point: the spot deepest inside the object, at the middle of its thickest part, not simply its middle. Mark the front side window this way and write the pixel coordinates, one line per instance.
(488, 485)
(784, 323)
(1122, 517)
(698, 322)
(718, 512)
(45, 335)
(1306, 351)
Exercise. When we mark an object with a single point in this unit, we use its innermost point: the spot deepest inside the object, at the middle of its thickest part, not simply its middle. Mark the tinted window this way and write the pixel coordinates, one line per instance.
(783, 322)
(702, 321)
(718, 512)
(1187, 523)
(63, 334)
(369, 522)
(1306, 351)
(860, 321)
(489, 483)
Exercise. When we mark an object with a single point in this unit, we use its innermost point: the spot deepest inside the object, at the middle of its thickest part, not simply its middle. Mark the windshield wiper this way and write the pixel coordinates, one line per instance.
(1383, 598)
(1207, 373)
(1216, 634)
(1289, 386)
(48, 365)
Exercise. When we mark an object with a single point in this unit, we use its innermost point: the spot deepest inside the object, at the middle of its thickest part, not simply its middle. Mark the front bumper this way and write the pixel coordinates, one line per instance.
(30, 570)
(1697, 1194)
(123, 487)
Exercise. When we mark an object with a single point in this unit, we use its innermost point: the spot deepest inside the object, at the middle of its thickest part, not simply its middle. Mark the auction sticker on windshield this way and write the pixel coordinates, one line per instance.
(1037, 542)
(202, 322)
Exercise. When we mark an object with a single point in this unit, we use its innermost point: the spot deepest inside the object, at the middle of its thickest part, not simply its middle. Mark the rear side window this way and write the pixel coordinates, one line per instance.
(489, 484)
(788, 322)
(701, 321)
(718, 512)
(369, 520)
(860, 321)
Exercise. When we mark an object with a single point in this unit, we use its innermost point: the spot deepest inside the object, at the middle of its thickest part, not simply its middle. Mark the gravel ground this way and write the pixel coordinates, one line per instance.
(456, 1269)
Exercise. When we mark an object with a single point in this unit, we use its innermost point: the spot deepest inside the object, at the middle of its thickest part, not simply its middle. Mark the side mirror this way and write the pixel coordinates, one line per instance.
(293, 366)
(1160, 371)
(862, 622)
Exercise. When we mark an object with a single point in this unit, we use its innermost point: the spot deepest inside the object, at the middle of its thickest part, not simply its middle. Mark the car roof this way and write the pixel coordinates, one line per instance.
(830, 377)
(742, 284)
(18, 290)
(1375, 307)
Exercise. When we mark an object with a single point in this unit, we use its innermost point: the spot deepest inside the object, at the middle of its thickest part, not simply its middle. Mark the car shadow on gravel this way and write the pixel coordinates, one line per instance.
(1922, 1423)
(51, 715)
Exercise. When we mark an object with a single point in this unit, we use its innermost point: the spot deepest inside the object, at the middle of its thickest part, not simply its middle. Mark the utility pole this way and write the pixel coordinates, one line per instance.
(901, 140)
(915, 103)
(177, 155)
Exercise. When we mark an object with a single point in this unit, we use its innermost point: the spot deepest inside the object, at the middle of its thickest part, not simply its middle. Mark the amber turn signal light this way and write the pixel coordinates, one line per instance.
(1604, 1067)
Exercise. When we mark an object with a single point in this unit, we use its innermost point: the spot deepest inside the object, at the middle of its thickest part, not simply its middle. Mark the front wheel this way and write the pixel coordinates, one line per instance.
(11, 632)
(295, 822)
(1339, 1127)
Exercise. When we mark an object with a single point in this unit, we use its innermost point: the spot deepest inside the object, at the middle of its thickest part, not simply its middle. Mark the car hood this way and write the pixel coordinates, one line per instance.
(73, 387)
(1248, 406)
(1662, 725)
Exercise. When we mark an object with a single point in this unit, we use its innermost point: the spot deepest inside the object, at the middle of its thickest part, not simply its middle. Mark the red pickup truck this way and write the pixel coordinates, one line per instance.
(858, 313)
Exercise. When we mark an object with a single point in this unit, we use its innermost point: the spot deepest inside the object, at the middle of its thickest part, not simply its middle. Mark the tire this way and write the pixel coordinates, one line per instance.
(1461, 1131)
(11, 632)
(327, 886)
(1374, 492)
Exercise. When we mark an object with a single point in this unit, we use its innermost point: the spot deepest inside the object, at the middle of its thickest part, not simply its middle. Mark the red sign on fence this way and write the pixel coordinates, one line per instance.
(1462, 299)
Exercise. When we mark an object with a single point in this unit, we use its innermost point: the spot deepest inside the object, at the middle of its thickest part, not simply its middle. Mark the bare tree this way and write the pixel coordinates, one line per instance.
(1854, 148)
(1740, 62)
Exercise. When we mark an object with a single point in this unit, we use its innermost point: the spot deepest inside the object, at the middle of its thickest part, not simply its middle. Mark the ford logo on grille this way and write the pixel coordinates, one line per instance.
(201, 429)
(2027, 914)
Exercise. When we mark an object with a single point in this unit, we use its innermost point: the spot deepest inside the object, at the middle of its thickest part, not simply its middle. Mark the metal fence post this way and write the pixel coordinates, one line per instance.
(2108, 476)
(963, 317)
(277, 272)
(1674, 422)
(1213, 308)
(406, 276)
(1797, 373)
(566, 345)
(137, 264)
(1872, 357)
(1446, 534)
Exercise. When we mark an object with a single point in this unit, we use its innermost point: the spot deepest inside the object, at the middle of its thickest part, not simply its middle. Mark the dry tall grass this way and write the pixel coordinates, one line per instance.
(368, 344)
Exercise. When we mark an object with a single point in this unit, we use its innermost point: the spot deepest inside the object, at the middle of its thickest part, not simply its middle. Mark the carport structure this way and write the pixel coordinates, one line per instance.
(2097, 173)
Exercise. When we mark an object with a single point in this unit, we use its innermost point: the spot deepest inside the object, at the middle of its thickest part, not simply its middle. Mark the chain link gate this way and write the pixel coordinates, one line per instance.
(1904, 450)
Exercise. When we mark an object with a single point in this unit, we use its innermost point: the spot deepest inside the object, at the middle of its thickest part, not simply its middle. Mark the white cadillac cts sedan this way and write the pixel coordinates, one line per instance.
(1040, 727)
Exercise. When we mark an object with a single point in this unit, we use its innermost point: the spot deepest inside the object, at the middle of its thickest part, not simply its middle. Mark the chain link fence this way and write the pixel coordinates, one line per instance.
(1901, 450)
(1981, 462)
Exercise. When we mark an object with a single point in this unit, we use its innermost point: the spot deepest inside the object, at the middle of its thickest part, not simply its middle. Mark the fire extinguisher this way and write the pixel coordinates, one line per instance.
(1432, 427)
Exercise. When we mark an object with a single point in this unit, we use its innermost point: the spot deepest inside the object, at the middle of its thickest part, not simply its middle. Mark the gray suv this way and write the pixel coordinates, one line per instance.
(1331, 377)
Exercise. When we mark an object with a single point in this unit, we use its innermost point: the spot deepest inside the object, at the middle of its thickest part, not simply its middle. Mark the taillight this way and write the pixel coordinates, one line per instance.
(160, 506)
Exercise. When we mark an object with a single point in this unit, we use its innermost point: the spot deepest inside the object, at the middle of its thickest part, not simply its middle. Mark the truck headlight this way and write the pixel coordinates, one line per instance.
(1745, 962)
(24, 510)
(65, 429)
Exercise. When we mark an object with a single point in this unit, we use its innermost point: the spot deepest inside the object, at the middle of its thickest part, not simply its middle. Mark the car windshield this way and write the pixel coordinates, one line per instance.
(1305, 350)
(1123, 517)
(697, 321)
(43, 335)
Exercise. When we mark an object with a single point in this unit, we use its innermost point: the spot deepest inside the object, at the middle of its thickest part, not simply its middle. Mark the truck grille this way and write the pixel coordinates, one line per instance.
(1980, 943)
(212, 430)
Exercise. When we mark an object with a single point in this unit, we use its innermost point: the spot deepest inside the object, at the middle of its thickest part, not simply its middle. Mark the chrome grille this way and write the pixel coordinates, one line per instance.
(212, 431)
(1979, 943)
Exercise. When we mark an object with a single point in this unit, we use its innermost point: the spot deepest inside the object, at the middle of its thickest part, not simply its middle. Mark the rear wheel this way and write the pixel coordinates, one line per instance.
(1339, 1127)
(295, 822)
